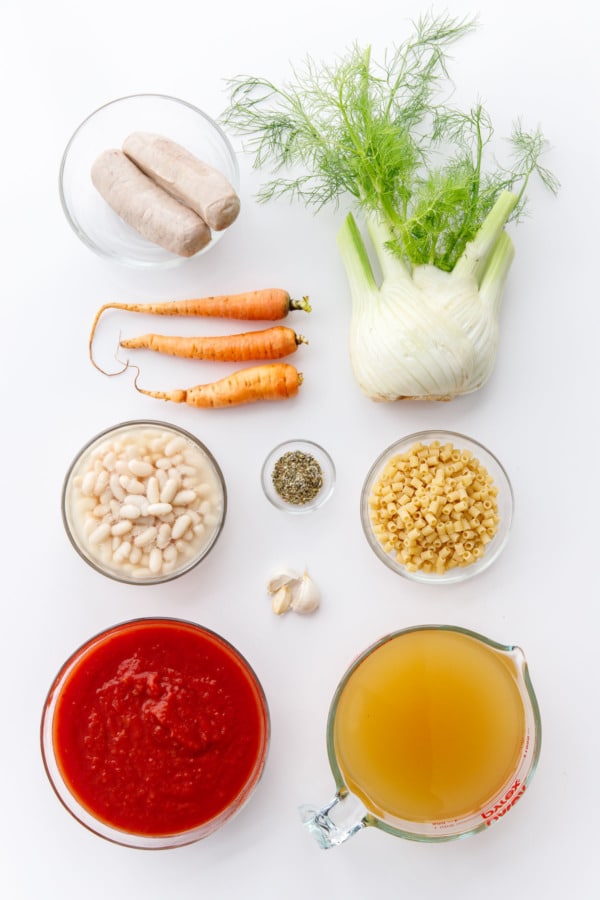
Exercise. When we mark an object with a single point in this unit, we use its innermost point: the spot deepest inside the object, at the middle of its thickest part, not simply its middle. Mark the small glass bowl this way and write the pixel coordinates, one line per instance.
(504, 500)
(327, 470)
(91, 218)
(188, 654)
(101, 481)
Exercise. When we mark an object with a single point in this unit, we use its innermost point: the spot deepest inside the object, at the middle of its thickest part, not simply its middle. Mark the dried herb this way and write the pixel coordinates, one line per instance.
(297, 477)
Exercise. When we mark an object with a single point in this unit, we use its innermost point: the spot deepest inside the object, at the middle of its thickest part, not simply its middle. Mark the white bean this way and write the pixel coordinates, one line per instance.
(170, 553)
(109, 460)
(138, 500)
(129, 511)
(122, 527)
(153, 490)
(140, 468)
(146, 537)
(101, 510)
(135, 555)
(99, 534)
(88, 484)
(155, 561)
(169, 491)
(122, 552)
(159, 509)
(116, 487)
(180, 526)
(184, 498)
(134, 486)
(88, 526)
(174, 445)
(164, 536)
(101, 482)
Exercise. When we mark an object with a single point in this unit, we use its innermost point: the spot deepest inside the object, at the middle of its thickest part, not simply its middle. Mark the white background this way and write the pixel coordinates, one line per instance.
(538, 413)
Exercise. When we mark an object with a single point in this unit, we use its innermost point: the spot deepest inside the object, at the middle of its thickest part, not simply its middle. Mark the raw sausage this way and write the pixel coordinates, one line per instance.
(201, 187)
(154, 213)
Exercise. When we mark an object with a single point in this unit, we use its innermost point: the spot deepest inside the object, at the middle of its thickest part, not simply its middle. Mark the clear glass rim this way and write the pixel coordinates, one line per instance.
(168, 262)
(105, 831)
(114, 576)
(329, 474)
(458, 574)
(531, 709)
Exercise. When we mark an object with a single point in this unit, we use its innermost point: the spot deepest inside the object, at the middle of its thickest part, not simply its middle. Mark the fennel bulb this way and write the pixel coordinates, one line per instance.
(414, 168)
(426, 333)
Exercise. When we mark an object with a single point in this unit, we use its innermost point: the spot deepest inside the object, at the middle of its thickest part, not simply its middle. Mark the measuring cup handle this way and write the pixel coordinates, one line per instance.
(343, 817)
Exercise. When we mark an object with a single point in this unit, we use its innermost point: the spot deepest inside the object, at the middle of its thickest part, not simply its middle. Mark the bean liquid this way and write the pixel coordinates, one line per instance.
(429, 727)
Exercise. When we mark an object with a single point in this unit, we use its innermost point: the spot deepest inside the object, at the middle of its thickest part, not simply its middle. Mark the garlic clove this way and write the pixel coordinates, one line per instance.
(306, 597)
(282, 600)
(283, 579)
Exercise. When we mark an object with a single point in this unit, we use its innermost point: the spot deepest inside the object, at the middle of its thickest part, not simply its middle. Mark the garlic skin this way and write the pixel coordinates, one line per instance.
(290, 591)
(282, 579)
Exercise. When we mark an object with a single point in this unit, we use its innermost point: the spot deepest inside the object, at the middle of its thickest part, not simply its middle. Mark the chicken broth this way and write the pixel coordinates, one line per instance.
(429, 727)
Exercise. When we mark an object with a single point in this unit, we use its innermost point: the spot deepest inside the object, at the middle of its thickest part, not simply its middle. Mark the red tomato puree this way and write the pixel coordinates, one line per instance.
(160, 726)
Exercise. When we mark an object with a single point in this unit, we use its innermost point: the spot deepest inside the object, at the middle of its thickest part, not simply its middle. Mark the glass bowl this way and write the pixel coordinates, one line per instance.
(154, 733)
(305, 473)
(143, 502)
(455, 529)
(89, 214)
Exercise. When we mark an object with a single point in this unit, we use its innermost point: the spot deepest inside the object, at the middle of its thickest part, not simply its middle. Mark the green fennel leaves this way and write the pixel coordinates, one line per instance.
(381, 133)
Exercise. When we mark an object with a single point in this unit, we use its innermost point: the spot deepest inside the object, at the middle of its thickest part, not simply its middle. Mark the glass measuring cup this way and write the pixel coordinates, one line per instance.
(433, 734)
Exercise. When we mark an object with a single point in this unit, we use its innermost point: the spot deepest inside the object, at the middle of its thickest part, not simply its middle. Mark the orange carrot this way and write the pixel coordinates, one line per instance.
(269, 305)
(271, 381)
(271, 343)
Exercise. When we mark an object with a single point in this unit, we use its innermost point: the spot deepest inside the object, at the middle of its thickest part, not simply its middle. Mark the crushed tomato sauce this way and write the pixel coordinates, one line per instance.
(159, 727)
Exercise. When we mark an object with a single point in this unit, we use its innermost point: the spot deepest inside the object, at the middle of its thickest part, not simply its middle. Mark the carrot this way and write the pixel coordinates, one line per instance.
(271, 343)
(269, 304)
(271, 381)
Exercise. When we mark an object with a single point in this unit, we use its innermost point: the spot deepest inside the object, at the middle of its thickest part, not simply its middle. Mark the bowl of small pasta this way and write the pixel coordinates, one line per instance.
(437, 507)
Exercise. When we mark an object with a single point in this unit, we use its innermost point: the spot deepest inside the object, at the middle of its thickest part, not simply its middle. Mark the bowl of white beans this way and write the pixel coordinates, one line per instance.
(143, 502)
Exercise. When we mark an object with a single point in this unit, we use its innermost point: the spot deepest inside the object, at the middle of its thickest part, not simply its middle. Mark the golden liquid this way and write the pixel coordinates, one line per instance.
(429, 727)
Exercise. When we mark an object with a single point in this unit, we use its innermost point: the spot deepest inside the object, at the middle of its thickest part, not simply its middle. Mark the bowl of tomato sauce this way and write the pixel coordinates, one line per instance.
(155, 732)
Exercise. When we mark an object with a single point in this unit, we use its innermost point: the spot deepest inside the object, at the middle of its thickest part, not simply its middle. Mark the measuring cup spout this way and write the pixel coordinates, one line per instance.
(332, 825)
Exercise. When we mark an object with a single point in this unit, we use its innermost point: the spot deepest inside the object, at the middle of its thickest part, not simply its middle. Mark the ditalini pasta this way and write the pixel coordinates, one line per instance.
(434, 507)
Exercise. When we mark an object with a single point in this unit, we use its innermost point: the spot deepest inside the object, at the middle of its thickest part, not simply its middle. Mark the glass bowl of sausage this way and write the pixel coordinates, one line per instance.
(436, 507)
(108, 212)
(143, 502)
